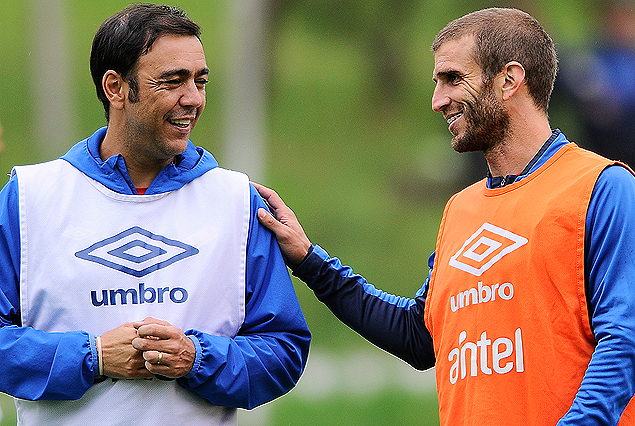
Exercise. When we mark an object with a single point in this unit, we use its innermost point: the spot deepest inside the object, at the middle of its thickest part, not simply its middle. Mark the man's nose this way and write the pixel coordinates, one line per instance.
(440, 98)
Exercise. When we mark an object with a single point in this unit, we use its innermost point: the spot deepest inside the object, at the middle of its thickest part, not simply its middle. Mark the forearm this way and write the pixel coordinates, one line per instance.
(246, 371)
(607, 386)
(46, 366)
(393, 323)
(35, 364)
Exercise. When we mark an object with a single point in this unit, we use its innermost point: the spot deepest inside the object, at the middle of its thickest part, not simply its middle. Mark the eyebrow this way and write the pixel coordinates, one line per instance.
(445, 74)
(182, 72)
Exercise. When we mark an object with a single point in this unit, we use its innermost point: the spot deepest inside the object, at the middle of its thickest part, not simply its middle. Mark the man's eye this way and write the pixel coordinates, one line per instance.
(454, 78)
(171, 83)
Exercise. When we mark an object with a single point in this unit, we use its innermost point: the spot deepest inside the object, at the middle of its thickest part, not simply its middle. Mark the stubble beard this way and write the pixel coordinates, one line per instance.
(487, 123)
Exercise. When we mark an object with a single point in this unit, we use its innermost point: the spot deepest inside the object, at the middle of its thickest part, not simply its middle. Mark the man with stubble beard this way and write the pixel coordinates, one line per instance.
(528, 311)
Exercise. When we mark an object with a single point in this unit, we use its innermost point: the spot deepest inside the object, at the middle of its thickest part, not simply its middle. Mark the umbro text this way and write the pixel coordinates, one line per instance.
(138, 296)
(481, 294)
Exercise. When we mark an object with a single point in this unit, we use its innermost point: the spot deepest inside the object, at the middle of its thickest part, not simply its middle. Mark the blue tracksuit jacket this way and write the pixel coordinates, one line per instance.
(273, 343)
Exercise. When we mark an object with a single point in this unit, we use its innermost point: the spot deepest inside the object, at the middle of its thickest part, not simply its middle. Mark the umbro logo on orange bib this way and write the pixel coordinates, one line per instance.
(484, 248)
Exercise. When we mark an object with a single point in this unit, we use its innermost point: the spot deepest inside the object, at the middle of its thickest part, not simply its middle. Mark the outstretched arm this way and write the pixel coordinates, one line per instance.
(393, 323)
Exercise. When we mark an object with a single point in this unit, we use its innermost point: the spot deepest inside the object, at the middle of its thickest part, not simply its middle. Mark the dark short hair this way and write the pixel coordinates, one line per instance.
(125, 36)
(503, 35)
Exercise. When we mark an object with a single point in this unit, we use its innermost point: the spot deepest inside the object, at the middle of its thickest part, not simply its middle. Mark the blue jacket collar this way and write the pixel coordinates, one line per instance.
(550, 147)
(113, 174)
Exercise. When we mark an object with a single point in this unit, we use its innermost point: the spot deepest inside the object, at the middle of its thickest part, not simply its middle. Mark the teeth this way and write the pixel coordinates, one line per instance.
(454, 118)
(183, 122)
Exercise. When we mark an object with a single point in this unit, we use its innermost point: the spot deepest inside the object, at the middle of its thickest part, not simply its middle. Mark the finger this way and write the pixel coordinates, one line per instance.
(269, 206)
(268, 220)
(156, 357)
(154, 331)
(149, 320)
(142, 344)
(263, 190)
(265, 193)
(161, 363)
(271, 197)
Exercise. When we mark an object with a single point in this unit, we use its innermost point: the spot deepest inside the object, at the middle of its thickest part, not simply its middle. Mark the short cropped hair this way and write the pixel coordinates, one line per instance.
(503, 35)
(127, 35)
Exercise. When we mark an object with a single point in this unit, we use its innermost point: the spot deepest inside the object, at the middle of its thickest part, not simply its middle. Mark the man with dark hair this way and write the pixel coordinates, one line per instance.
(125, 36)
(528, 311)
(136, 283)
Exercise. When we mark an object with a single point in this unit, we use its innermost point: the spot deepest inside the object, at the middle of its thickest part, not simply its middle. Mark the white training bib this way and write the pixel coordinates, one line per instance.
(93, 259)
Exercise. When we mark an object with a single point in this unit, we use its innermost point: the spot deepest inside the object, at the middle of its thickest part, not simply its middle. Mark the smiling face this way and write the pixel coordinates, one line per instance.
(166, 96)
(476, 116)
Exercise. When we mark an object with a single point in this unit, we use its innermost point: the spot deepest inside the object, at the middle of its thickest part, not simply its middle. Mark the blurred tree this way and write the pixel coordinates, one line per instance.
(376, 26)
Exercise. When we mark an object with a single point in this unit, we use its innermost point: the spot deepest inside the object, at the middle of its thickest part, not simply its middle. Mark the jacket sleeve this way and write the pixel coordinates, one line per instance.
(35, 364)
(393, 323)
(609, 382)
(267, 357)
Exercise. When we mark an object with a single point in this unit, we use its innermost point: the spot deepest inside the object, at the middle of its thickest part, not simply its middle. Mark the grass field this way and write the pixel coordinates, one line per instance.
(367, 175)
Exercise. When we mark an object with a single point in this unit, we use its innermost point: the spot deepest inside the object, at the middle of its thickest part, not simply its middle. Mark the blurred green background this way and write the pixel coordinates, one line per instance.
(349, 141)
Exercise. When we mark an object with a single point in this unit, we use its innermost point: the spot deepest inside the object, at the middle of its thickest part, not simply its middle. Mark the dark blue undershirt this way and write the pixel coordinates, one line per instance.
(500, 181)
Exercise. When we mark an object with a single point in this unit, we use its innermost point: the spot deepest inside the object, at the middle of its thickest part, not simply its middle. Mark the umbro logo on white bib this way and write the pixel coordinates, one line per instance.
(137, 252)
(484, 248)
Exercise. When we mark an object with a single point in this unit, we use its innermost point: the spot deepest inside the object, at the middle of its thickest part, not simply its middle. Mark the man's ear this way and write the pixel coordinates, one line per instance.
(114, 88)
(514, 75)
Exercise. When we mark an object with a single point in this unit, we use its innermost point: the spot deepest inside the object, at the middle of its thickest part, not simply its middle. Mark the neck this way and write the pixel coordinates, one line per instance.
(512, 155)
(141, 170)
(142, 175)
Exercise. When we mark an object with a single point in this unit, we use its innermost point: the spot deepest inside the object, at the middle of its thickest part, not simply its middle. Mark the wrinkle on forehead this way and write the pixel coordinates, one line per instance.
(455, 54)
(454, 59)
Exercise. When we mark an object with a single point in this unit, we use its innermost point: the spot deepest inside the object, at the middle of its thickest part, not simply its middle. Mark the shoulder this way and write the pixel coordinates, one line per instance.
(55, 167)
(614, 180)
(612, 203)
